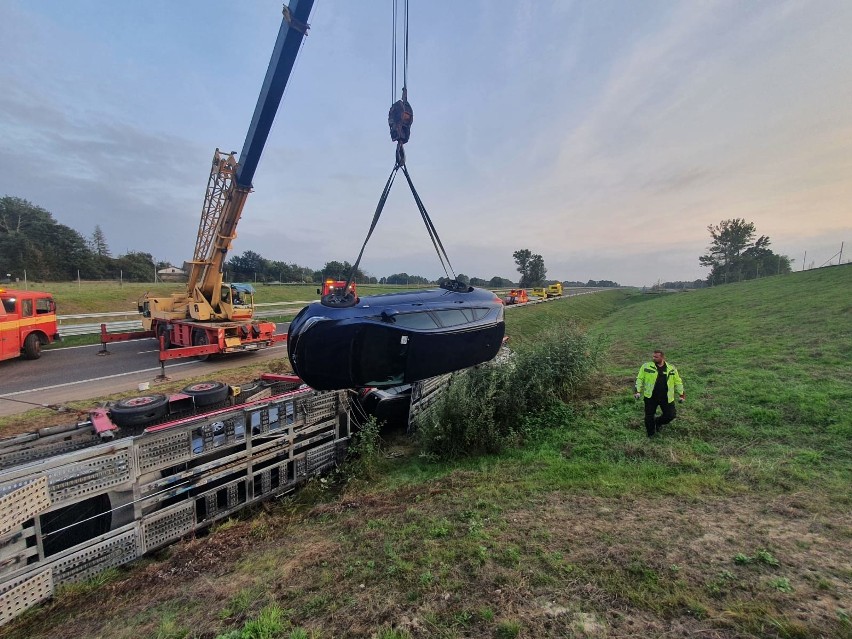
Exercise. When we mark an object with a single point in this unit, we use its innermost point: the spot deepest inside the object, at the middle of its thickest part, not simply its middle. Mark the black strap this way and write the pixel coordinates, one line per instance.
(348, 299)
(430, 228)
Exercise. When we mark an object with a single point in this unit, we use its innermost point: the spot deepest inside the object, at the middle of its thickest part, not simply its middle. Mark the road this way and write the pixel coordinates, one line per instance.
(66, 374)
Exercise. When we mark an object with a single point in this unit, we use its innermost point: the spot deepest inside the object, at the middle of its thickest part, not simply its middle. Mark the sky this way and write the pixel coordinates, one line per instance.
(605, 136)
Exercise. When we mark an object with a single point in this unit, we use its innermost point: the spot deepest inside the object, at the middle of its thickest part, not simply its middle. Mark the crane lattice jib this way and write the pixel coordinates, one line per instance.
(215, 199)
(230, 182)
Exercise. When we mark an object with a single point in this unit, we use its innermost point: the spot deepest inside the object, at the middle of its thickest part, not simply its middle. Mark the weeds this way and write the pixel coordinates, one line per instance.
(489, 408)
(365, 451)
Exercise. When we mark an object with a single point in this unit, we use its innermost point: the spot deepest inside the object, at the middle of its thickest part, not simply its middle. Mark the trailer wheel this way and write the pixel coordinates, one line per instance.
(207, 393)
(32, 347)
(199, 338)
(139, 411)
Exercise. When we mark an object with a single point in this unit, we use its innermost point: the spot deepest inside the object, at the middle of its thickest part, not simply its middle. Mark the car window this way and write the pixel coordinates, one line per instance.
(9, 305)
(420, 320)
(43, 306)
(26, 308)
(452, 317)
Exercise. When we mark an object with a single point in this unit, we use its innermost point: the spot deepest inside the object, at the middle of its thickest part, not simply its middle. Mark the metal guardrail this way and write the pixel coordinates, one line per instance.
(123, 326)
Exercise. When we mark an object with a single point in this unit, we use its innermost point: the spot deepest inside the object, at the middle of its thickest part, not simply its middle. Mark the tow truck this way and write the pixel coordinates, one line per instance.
(516, 296)
(331, 287)
(27, 322)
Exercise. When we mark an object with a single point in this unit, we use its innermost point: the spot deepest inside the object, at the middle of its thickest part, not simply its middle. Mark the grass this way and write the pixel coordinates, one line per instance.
(735, 522)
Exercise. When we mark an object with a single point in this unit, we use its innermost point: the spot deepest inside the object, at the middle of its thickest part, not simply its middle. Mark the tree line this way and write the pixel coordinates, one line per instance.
(34, 245)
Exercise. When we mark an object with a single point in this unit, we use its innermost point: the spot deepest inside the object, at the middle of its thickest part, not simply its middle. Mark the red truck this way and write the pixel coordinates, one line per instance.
(27, 322)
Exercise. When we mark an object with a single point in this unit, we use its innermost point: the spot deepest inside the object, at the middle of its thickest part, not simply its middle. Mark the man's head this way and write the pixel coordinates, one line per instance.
(659, 357)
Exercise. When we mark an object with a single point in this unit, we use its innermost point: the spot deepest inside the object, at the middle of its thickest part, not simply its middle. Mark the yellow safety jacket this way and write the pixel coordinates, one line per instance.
(647, 377)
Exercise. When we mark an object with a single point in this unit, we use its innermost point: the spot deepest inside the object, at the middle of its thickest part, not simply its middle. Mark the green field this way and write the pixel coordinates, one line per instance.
(735, 522)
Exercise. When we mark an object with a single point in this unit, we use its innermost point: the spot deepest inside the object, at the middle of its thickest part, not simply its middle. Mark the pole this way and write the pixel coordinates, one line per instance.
(26, 286)
(804, 259)
(78, 279)
(121, 278)
(840, 259)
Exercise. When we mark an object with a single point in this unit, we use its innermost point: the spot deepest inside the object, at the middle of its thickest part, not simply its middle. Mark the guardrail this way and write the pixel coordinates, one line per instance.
(67, 329)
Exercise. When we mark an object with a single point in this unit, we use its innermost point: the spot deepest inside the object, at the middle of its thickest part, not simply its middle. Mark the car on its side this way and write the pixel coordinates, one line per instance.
(397, 338)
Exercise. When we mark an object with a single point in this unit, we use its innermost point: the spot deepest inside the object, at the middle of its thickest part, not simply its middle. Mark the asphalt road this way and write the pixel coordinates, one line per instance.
(66, 374)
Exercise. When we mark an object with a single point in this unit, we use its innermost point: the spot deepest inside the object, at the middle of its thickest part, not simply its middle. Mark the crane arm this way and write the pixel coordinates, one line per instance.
(231, 180)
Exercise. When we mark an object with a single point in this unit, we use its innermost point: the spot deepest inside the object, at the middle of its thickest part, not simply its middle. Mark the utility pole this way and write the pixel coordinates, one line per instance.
(804, 259)
(840, 259)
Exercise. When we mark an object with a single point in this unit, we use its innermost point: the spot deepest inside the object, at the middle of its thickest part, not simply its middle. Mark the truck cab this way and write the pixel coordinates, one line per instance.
(539, 292)
(27, 322)
(555, 290)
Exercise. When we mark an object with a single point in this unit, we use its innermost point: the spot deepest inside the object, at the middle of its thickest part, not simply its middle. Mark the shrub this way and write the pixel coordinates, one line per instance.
(485, 409)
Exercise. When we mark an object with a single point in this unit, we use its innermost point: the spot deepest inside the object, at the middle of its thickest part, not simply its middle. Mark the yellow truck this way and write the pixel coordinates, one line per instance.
(555, 290)
(539, 292)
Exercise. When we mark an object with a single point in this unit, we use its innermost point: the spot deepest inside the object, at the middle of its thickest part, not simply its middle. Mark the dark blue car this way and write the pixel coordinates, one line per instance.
(393, 339)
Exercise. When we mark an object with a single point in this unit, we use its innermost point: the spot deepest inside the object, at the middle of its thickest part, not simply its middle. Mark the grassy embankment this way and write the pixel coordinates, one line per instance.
(735, 522)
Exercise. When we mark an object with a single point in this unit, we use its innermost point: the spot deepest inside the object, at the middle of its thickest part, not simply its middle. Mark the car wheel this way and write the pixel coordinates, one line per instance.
(139, 411)
(207, 393)
(32, 347)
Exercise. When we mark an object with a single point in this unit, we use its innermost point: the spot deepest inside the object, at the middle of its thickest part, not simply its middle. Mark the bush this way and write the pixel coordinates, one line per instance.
(485, 409)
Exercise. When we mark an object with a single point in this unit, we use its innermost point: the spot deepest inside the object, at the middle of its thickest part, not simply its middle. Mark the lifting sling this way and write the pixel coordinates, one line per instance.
(400, 119)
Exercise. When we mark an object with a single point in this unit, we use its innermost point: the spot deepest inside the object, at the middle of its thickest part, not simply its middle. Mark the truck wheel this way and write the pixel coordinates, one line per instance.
(32, 347)
(139, 411)
(199, 338)
(207, 393)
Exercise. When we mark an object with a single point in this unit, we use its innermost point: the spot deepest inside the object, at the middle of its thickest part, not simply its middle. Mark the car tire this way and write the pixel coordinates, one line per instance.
(207, 393)
(139, 411)
(32, 347)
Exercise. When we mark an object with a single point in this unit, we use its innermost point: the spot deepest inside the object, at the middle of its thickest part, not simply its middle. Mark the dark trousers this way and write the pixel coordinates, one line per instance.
(652, 423)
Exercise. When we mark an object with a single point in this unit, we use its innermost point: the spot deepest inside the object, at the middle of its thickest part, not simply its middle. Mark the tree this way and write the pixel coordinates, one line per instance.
(32, 241)
(500, 282)
(340, 271)
(735, 255)
(98, 243)
(537, 271)
(136, 266)
(530, 266)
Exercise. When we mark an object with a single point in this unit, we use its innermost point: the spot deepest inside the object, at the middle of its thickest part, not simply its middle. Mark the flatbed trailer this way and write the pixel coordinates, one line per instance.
(84, 497)
(77, 500)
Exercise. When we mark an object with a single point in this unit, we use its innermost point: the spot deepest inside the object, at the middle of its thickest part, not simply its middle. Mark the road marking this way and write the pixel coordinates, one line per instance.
(93, 379)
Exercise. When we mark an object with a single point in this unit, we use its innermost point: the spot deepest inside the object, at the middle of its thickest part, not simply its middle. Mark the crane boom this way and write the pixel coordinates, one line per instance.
(212, 317)
(230, 181)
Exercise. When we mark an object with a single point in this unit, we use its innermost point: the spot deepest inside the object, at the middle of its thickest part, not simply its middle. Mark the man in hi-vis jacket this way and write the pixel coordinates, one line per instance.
(657, 382)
